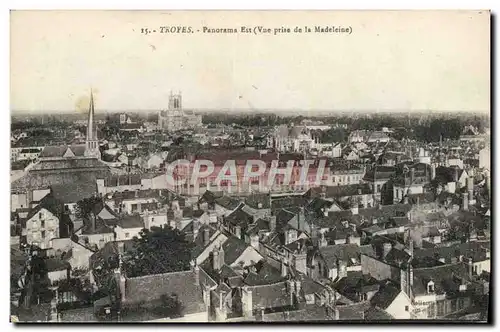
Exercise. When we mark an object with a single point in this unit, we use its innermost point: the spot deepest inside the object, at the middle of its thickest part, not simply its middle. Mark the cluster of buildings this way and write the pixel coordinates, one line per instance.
(391, 231)
(175, 118)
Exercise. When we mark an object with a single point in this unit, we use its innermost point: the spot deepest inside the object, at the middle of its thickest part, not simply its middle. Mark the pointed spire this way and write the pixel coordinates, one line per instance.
(90, 124)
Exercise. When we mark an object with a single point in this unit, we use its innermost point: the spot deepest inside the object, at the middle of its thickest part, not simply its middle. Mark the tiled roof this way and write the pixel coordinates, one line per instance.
(343, 191)
(51, 204)
(385, 296)
(343, 252)
(199, 244)
(442, 276)
(239, 217)
(265, 275)
(270, 296)
(255, 199)
(74, 192)
(152, 287)
(233, 248)
(475, 250)
(68, 164)
(288, 201)
(227, 202)
(375, 314)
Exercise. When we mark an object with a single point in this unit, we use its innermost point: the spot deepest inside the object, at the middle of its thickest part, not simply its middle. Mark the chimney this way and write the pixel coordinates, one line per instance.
(215, 260)
(455, 175)
(355, 209)
(221, 256)
(272, 223)
(145, 218)
(323, 242)
(465, 202)
(387, 247)
(206, 236)
(301, 217)
(247, 301)
(470, 183)
(283, 268)
(92, 221)
(470, 265)
(433, 171)
(412, 175)
(254, 241)
(237, 231)
(120, 278)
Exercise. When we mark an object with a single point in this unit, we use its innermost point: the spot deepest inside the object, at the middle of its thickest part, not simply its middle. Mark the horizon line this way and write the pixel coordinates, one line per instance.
(320, 110)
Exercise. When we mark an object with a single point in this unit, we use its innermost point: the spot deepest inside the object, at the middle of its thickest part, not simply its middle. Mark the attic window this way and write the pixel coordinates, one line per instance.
(430, 287)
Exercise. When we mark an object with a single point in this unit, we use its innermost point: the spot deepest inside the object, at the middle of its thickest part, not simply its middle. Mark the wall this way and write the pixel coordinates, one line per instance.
(58, 275)
(397, 308)
(38, 194)
(249, 257)
(34, 228)
(18, 201)
(218, 240)
(379, 270)
(126, 233)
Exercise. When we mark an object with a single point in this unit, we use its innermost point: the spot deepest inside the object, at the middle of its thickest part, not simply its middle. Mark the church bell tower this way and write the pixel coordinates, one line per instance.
(91, 141)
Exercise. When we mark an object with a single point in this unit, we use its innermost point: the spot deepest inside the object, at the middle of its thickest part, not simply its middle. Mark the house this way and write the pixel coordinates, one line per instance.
(343, 174)
(141, 298)
(392, 301)
(378, 137)
(440, 290)
(44, 223)
(57, 269)
(70, 194)
(335, 261)
(410, 179)
(378, 177)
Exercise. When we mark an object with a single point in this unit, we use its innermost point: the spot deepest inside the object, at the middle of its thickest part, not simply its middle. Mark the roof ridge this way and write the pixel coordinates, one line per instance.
(159, 274)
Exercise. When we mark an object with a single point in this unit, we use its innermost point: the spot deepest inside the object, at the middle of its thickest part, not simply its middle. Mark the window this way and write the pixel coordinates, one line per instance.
(407, 308)
(40, 215)
(440, 308)
(43, 234)
(365, 296)
(431, 311)
(127, 235)
(430, 287)
(460, 304)
(453, 305)
(43, 223)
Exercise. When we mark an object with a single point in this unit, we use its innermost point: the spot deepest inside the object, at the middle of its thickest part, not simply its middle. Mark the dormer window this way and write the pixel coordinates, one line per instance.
(430, 287)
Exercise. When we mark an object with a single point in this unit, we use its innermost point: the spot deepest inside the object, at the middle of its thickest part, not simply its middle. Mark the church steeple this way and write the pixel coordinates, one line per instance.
(91, 142)
(90, 124)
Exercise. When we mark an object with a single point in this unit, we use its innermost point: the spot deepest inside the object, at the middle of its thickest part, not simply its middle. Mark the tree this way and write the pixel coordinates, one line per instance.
(86, 206)
(159, 250)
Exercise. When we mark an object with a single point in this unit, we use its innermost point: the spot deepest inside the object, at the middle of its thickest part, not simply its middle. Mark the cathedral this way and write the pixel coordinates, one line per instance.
(176, 118)
(67, 164)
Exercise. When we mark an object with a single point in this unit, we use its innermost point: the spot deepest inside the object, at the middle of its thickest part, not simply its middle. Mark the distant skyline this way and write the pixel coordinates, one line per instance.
(430, 60)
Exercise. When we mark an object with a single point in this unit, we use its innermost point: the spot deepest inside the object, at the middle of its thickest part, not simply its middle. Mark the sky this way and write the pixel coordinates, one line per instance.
(430, 60)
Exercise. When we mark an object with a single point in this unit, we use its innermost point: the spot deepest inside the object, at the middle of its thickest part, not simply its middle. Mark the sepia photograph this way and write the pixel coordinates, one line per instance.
(250, 166)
